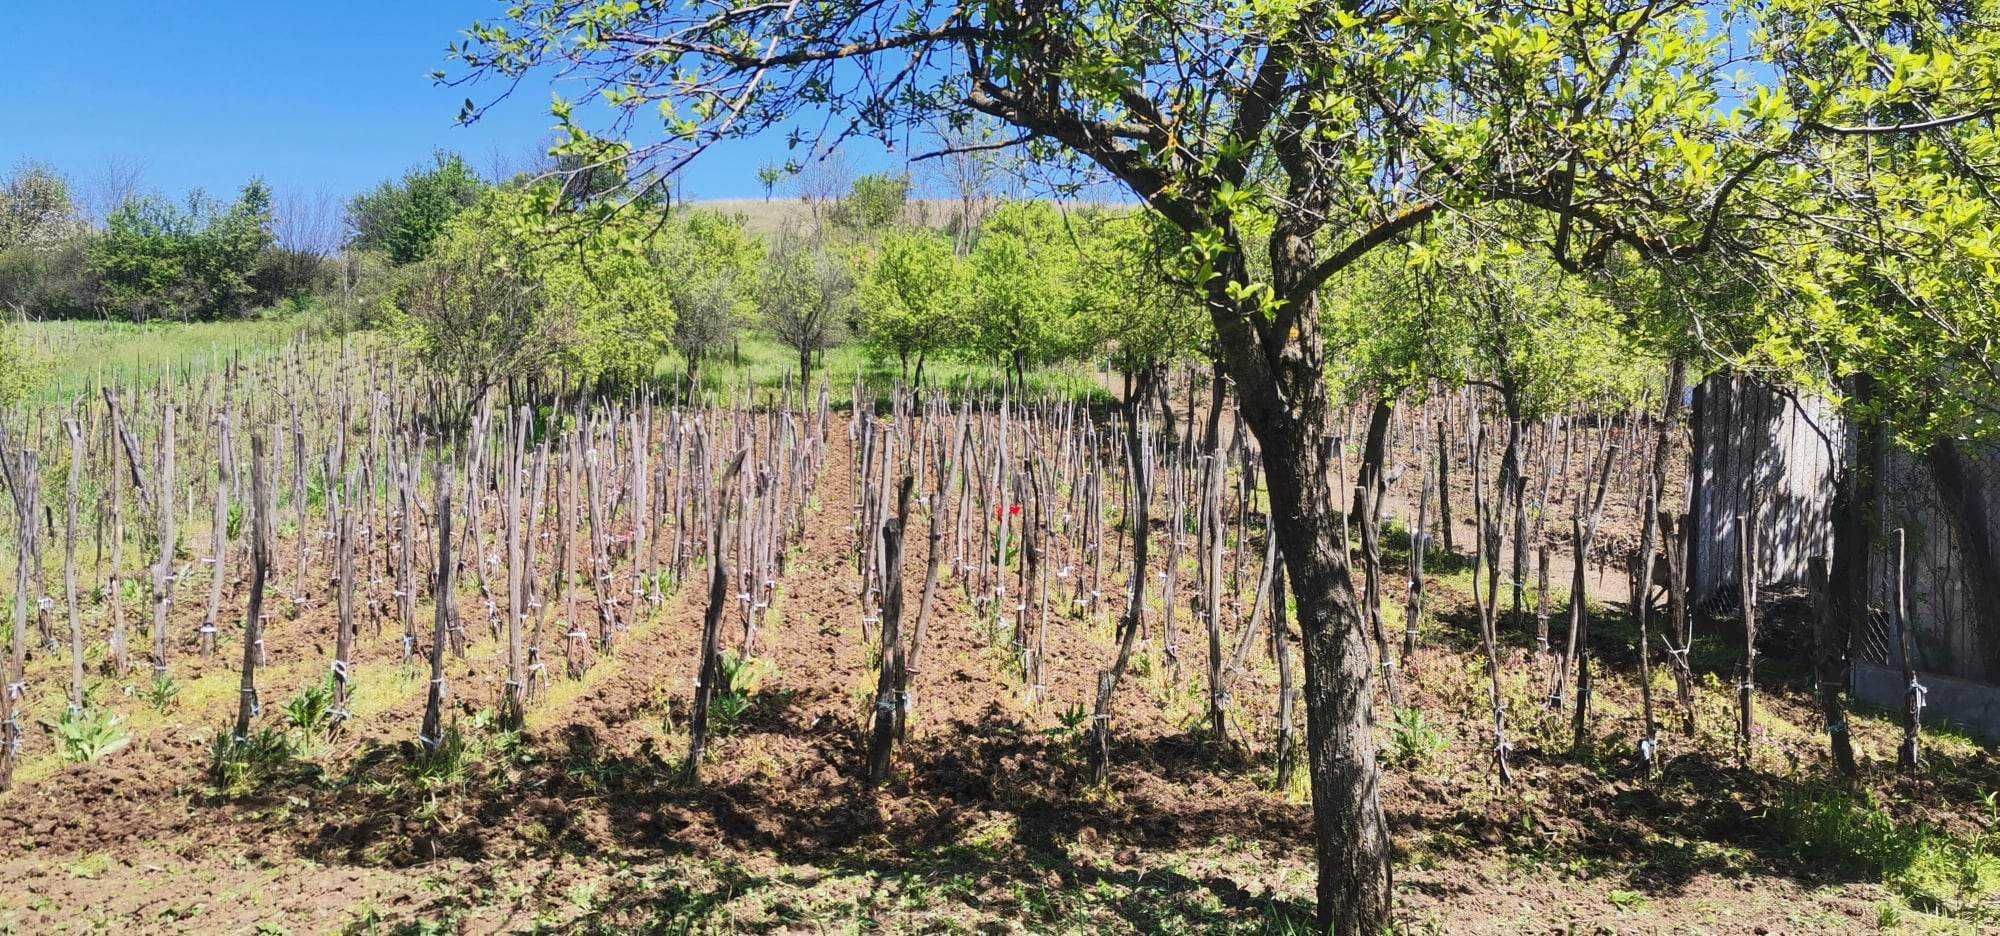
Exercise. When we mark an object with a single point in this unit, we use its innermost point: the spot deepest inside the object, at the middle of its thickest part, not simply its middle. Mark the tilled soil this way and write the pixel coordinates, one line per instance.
(586, 822)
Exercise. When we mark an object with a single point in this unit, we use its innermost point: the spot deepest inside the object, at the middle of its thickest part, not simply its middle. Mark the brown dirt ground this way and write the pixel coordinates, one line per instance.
(987, 825)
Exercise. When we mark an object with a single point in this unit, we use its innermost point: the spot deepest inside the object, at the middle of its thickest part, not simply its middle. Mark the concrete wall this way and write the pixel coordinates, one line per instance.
(1960, 704)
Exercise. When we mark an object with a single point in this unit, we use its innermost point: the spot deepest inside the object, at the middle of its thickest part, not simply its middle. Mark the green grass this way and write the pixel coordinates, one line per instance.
(75, 358)
(1928, 869)
(764, 364)
(78, 357)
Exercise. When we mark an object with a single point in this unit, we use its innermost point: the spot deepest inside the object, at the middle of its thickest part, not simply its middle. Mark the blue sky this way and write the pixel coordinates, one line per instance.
(316, 97)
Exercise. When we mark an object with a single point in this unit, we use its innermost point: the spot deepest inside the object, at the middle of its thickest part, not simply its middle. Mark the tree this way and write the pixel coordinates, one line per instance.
(37, 209)
(404, 219)
(769, 175)
(875, 204)
(806, 286)
(1024, 301)
(50, 282)
(909, 297)
(1344, 126)
(709, 264)
(966, 166)
(515, 289)
(193, 260)
(823, 180)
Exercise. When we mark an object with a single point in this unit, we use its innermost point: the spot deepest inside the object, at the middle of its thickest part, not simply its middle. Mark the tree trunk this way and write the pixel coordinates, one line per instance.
(1283, 394)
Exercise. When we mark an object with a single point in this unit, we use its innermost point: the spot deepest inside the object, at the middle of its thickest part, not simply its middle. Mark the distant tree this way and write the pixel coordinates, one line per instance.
(822, 182)
(191, 261)
(36, 208)
(709, 263)
(874, 204)
(305, 229)
(1138, 314)
(516, 289)
(909, 297)
(769, 175)
(117, 180)
(404, 219)
(968, 167)
(50, 282)
(805, 288)
(1024, 303)
(44, 246)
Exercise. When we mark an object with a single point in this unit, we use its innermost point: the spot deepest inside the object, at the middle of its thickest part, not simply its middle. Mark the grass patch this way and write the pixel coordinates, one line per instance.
(78, 357)
(1850, 834)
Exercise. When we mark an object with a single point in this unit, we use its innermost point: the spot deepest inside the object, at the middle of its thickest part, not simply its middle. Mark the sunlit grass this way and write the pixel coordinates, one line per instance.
(764, 365)
(76, 358)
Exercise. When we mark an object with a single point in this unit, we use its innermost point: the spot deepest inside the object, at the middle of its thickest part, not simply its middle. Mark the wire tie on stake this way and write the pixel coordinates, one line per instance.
(340, 669)
(1920, 691)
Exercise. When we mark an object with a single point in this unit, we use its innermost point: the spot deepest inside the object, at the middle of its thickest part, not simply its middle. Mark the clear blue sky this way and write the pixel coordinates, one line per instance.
(314, 97)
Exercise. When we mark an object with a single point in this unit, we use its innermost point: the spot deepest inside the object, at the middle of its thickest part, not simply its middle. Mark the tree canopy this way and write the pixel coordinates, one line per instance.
(404, 219)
